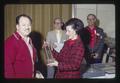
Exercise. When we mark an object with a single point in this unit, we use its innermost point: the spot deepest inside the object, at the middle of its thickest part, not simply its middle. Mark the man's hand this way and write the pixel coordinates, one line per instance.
(96, 56)
(39, 75)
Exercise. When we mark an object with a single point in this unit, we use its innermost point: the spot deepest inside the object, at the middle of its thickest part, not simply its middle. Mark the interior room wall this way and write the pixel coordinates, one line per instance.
(104, 12)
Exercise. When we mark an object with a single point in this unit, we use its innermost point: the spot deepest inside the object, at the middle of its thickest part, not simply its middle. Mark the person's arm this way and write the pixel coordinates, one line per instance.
(100, 44)
(72, 63)
(57, 55)
(9, 60)
(48, 37)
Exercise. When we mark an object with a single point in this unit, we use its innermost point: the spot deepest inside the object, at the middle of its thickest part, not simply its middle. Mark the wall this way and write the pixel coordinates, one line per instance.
(42, 16)
(104, 12)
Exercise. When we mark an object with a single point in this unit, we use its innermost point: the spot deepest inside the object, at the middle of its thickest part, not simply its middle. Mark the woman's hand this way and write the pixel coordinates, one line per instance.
(55, 63)
(51, 45)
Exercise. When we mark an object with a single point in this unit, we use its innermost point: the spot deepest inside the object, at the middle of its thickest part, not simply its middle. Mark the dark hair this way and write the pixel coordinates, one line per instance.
(92, 15)
(63, 26)
(76, 24)
(22, 15)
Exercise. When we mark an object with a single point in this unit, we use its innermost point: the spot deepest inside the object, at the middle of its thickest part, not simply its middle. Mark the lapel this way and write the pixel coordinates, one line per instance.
(62, 36)
(34, 50)
(54, 36)
(23, 44)
(97, 36)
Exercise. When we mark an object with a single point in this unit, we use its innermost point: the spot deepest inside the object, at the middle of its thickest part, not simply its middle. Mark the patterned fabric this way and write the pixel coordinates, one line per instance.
(18, 63)
(69, 59)
(52, 38)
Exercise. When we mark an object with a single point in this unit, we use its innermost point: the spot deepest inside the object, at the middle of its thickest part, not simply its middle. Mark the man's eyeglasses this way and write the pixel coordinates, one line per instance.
(58, 23)
(90, 19)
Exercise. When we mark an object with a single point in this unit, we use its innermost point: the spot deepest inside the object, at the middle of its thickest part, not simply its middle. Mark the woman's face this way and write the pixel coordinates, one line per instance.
(70, 32)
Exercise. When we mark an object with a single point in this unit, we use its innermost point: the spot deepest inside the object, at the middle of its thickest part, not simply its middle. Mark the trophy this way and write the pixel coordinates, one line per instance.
(48, 55)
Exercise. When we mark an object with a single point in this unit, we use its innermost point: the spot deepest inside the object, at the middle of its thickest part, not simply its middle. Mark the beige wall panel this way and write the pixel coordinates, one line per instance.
(47, 19)
(56, 10)
(37, 18)
(42, 16)
(9, 20)
(66, 12)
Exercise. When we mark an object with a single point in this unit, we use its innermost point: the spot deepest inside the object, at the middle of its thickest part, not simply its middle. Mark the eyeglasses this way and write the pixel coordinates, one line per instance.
(90, 19)
(58, 23)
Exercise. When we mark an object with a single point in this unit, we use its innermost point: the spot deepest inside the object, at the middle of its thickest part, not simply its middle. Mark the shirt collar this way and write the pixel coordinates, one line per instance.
(71, 42)
(19, 36)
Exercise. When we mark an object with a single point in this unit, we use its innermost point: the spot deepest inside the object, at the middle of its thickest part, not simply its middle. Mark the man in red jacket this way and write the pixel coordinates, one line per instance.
(19, 51)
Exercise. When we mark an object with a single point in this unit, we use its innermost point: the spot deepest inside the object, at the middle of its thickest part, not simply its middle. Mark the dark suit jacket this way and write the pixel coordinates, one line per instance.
(99, 44)
(98, 47)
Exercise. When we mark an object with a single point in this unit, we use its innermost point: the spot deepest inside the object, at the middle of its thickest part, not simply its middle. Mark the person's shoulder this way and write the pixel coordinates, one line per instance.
(63, 31)
(51, 31)
(50, 34)
(99, 28)
(10, 40)
(86, 28)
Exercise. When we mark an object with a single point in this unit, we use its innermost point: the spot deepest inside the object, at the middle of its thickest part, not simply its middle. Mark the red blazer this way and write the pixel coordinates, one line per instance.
(69, 59)
(17, 59)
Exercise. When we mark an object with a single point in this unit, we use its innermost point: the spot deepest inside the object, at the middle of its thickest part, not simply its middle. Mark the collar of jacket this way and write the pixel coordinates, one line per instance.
(16, 35)
(71, 42)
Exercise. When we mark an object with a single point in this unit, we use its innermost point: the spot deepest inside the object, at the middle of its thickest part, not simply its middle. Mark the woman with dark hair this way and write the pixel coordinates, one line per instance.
(69, 59)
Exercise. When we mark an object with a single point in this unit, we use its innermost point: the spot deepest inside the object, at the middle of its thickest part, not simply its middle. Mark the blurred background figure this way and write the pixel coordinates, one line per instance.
(56, 38)
(109, 50)
(96, 43)
(68, 60)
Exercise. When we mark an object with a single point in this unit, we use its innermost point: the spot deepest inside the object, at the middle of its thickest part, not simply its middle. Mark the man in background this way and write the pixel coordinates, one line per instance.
(56, 38)
(96, 43)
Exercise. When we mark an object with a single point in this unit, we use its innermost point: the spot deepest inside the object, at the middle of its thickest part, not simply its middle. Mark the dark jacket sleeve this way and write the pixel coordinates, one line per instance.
(100, 44)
